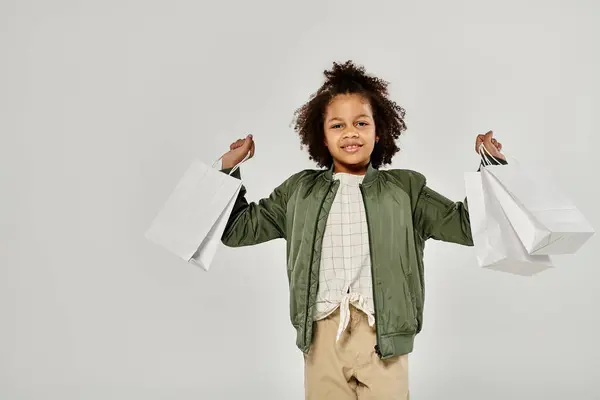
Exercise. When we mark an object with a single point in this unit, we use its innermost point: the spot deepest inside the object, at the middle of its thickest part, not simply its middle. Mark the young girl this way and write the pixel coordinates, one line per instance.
(355, 237)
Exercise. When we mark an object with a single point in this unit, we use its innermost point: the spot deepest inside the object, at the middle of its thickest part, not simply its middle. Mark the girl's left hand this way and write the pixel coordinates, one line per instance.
(493, 146)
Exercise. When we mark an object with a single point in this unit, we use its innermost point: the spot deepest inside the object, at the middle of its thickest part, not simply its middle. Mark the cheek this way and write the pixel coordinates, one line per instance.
(370, 137)
(330, 140)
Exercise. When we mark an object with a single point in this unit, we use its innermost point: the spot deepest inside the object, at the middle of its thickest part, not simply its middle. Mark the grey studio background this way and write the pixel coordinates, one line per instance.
(103, 105)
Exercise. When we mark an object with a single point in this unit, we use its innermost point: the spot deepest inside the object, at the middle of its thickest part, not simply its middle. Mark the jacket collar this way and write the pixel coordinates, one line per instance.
(370, 176)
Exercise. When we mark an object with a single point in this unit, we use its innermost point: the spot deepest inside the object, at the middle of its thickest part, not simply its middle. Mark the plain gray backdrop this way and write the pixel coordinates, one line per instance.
(104, 104)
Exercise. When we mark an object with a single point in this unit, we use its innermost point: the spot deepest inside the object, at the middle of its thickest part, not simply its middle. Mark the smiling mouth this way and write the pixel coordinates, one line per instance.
(352, 148)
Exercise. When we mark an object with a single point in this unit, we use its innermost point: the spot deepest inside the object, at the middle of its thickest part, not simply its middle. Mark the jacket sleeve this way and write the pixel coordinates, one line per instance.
(256, 222)
(437, 217)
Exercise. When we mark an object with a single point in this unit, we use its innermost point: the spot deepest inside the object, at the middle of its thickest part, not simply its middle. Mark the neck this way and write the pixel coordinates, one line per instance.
(359, 169)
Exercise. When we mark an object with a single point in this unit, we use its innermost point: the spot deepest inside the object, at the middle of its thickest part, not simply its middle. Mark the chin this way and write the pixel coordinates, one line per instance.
(353, 162)
(357, 163)
(355, 159)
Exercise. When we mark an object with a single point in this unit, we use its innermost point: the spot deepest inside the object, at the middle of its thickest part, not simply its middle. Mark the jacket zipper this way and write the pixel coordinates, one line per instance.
(312, 255)
(377, 334)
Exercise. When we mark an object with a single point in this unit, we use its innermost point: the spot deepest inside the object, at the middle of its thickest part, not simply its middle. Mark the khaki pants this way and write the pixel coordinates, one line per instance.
(350, 368)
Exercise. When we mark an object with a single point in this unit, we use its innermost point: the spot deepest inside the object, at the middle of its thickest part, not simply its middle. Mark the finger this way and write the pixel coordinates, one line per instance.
(252, 150)
(487, 142)
(478, 142)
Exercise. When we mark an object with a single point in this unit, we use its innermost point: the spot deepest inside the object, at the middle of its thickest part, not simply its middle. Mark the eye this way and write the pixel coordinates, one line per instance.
(336, 126)
(362, 123)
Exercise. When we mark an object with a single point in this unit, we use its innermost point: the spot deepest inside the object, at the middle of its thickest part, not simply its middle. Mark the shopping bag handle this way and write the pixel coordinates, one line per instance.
(483, 150)
(236, 166)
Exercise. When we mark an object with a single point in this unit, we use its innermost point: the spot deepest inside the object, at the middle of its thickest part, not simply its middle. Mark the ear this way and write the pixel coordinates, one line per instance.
(376, 139)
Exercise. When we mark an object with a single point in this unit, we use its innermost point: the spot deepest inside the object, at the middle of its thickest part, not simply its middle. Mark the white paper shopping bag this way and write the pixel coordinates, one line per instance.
(496, 244)
(546, 221)
(193, 219)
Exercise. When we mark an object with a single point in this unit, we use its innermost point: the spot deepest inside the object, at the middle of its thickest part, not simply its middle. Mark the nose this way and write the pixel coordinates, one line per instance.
(350, 133)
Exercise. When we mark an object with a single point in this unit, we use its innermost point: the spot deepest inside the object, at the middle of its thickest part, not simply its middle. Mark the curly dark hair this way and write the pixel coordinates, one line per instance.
(348, 78)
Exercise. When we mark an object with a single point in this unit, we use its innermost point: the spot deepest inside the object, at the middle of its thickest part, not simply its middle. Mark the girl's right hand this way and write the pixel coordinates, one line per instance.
(237, 152)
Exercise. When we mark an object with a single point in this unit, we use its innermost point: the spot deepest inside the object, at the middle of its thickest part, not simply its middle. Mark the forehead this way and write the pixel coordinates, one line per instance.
(348, 105)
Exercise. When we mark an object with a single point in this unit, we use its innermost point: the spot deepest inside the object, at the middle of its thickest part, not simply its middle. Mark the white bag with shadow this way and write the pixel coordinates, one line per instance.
(544, 218)
(497, 245)
(193, 219)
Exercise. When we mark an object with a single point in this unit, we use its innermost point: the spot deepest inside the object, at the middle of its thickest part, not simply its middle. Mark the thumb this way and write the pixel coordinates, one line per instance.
(248, 142)
(488, 137)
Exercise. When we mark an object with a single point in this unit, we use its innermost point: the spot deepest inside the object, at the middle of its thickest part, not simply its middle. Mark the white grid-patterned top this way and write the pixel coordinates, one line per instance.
(345, 272)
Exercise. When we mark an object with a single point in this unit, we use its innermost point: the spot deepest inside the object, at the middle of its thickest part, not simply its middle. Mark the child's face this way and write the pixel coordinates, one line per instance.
(350, 132)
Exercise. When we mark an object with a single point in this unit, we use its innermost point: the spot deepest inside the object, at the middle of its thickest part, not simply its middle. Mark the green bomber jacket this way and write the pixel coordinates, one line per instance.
(402, 214)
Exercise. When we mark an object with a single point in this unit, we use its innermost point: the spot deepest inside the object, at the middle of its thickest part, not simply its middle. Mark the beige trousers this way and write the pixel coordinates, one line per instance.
(350, 368)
